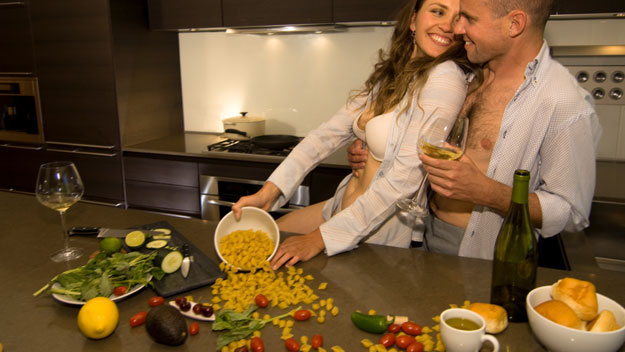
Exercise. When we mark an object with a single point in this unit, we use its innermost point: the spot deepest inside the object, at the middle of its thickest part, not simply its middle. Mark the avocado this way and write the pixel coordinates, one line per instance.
(166, 325)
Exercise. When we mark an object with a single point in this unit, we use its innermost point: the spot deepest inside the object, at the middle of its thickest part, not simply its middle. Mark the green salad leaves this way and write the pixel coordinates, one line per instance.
(103, 273)
(239, 325)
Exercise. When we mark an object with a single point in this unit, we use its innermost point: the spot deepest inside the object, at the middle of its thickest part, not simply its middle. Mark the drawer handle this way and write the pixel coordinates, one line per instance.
(82, 145)
(229, 204)
(109, 155)
(22, 147)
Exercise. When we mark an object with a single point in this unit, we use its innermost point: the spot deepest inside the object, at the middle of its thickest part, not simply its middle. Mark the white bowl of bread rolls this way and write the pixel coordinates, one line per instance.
(569, 316)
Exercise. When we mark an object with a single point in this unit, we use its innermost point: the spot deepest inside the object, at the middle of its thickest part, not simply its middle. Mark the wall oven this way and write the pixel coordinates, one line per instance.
(218, 194)
(20, 111)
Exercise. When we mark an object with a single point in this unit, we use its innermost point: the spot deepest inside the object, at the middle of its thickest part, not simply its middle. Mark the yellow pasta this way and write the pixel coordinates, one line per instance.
(246, 249)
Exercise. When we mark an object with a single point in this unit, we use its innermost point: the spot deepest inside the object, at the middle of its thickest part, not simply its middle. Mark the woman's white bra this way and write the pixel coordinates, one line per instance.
(375, 134)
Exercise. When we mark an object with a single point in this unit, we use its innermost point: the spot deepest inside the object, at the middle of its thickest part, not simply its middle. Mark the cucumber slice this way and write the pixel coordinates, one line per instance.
(135, 239)
(164, 231)
(161, 237)
(156, 244)
(168, 259)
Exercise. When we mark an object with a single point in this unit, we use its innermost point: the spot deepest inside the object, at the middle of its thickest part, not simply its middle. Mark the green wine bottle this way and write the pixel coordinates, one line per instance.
(516, 254)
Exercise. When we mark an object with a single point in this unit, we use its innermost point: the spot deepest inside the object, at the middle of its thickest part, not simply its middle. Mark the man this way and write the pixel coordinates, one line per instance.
(527, 113)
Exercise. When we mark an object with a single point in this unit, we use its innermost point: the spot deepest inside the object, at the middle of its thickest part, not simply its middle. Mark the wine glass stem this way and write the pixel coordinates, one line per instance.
(418, 198)
(65, 236)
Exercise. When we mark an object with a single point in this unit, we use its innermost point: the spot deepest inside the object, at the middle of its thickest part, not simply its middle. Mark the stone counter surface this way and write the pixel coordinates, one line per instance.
(194, 144)
(390, 280)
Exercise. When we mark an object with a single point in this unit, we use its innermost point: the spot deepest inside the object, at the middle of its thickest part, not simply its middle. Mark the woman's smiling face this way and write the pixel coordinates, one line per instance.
(433, 25)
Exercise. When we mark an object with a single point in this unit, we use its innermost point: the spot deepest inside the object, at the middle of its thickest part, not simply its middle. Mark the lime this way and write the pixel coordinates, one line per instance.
(135, 239)
(98, 318)
(110, 245)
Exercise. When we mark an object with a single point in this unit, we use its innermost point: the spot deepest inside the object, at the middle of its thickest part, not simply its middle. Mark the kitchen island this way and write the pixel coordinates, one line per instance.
(390, 280)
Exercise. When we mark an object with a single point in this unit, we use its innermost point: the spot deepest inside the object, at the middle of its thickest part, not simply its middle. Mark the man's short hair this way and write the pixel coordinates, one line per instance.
(538, 10)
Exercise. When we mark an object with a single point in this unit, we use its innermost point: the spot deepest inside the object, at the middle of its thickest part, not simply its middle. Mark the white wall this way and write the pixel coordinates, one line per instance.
(295, 81)
(298, 81)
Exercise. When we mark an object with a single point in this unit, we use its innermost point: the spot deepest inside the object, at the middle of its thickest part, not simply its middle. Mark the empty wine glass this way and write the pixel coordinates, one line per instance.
(445, 139)
(58, 187)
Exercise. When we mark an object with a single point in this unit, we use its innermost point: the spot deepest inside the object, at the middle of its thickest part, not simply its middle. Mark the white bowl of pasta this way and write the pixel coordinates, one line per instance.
(247, 243)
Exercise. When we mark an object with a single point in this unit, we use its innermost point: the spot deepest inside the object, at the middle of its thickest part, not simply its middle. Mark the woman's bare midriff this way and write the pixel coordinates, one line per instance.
(357, 185)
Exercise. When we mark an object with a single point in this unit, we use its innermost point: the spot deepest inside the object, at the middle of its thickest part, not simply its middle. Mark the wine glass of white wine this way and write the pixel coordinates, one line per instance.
(58, 187)
(444, 139)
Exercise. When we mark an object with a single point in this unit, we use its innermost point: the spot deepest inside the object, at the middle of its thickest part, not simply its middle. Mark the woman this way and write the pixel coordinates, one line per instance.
(421, 74)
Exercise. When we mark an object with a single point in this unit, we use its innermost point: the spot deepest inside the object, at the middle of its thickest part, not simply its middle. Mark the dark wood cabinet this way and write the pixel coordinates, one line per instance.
(162, 184)
(75, 68)
(367, 10)
(245, 13)
(571, 7)
(184, 14)
(104, 79)
(16, 46)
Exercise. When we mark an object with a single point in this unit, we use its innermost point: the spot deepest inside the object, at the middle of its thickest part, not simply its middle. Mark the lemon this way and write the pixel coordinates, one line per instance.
(98, 318)
(110, 245)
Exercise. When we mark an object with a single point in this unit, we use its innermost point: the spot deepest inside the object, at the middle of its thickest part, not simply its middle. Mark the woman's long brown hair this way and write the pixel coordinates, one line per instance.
(398, 73)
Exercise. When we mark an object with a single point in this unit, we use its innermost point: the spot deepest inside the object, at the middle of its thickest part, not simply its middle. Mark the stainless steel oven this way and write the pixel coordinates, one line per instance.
(218, 194)
(20, 112)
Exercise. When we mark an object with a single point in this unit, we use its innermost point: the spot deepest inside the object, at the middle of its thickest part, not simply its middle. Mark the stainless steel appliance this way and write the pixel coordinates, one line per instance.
(20, 112)
(218, 194)
(600, 69)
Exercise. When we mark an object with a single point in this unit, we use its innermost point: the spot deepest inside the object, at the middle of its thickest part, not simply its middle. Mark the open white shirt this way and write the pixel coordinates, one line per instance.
(373, 216)
(551, 129)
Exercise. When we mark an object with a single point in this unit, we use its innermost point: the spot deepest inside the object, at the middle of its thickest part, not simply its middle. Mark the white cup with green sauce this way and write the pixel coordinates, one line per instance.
(463, 330)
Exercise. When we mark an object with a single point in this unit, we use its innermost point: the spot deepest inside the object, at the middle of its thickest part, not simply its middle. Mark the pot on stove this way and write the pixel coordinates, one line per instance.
(250, 126)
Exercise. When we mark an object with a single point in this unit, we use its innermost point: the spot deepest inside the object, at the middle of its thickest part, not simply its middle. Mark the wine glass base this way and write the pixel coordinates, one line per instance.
(67, 254)
(408, 206)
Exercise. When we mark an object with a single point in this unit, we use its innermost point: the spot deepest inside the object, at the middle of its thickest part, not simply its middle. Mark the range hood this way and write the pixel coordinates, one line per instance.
(295, 29)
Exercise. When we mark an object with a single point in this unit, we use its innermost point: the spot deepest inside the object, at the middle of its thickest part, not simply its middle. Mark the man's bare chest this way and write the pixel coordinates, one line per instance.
(485, 109)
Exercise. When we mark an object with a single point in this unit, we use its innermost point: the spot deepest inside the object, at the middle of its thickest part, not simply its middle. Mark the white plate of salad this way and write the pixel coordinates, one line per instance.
(113, 297)
(104, 276)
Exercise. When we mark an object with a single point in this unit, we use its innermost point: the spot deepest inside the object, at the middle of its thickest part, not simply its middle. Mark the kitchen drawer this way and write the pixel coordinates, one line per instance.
(237, 169)
(162, 197)
(173, 172)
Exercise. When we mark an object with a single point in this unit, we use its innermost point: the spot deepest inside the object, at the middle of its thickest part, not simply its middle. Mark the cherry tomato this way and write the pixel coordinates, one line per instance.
(404, 341)
(316, 341)
(194, 328)
(291, 344)
(302, 314)
(156, 301)
(411, 328)
(261, 300)
(415, 347)
(242, 349)
(387, 339)
(120, 290)
(138, 319)
(394, 328)
(257, 345)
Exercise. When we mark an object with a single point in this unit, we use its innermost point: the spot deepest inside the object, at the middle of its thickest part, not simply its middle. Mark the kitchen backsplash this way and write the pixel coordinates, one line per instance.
(295, 81)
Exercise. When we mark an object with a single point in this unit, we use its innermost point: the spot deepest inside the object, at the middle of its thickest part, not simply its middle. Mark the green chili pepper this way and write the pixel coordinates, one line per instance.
(372, 323)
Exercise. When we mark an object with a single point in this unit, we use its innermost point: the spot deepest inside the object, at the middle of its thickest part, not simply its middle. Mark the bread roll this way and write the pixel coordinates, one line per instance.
(495, 316)
(560, 313)
(580, 295)
(605, 321)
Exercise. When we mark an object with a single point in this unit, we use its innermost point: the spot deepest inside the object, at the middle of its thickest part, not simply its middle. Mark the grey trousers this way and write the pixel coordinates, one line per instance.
(441, 237)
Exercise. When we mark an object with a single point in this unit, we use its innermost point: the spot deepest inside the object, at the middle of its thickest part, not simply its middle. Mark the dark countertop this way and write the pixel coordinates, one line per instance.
(390, 280)
(194, 144)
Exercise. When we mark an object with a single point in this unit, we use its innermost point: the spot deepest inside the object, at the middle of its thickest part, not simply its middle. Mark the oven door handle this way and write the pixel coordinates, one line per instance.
(230, 204)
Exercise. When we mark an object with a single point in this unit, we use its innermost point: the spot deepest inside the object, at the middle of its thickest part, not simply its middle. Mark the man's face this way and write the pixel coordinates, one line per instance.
(482, 33)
